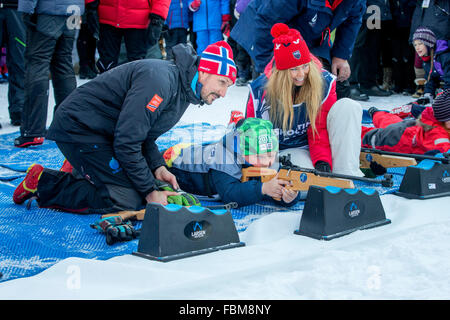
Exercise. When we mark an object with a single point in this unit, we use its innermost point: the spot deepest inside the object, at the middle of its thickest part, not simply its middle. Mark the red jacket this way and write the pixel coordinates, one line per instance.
(319, 145)
(392, 133)
(131, 13)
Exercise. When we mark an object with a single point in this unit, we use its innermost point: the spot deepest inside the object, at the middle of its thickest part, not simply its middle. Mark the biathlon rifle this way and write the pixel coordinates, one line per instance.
(301, 179)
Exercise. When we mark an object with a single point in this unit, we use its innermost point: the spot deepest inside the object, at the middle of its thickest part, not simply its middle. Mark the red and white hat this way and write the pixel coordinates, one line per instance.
(217, 58)
(290, 50)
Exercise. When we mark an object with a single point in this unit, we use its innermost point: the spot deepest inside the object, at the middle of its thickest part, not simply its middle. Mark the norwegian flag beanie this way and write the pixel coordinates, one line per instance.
(217, 58)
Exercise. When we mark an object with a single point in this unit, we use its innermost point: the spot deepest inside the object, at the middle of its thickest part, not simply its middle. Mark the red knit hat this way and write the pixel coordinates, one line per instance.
(290, 50)
(217, 58)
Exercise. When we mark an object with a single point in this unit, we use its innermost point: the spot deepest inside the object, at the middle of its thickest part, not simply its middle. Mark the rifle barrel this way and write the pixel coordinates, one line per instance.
(386, 182)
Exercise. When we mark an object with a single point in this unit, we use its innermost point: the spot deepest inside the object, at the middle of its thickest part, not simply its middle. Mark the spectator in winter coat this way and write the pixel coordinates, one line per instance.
(367, 52)
(430, 133)
(50, 28)
(13, 35)
(211, 18)
(315, 20)
(177, 23)
(436, 61)
(434, 15)
(300, 99)
(137, 22)
(107, 130)
(216, 168)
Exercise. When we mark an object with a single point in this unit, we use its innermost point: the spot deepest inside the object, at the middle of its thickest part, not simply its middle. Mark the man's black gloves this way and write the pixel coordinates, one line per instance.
(154, 29)
(377, 168)
(92, 19)
(322, 166)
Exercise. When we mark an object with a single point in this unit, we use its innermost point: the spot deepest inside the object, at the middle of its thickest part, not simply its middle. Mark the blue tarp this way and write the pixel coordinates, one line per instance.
(34, 240)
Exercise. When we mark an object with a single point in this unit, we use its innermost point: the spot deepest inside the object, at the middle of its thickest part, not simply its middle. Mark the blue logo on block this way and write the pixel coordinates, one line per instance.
(197, 226)
(369, 157)
(353, 209)
(197, 230)
(114, 165)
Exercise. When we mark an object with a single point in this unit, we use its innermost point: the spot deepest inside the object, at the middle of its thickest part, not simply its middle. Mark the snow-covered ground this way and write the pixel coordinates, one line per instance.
(407, 259)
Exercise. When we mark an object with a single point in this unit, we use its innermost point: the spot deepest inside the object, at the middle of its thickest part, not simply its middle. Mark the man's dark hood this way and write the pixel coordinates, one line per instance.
(187, 62)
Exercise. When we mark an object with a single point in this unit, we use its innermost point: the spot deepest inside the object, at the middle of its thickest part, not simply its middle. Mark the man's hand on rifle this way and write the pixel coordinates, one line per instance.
(160, 196)
(163, 174)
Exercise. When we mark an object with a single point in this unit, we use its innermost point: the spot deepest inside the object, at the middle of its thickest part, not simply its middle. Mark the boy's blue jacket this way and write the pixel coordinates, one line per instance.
(209, 15)
(312, 18)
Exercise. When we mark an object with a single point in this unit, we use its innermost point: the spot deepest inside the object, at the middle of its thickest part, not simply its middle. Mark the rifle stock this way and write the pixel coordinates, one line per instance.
(445, 159)
(300, 180)
(132, 215)
(387, 161)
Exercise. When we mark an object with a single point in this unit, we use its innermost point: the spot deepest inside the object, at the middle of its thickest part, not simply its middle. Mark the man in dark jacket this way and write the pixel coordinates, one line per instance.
(315, 20)
(13, 30)
(51, 26)
(433, 14)
(107, 130)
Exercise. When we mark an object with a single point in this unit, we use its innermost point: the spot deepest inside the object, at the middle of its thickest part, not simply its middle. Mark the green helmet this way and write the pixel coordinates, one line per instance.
(257, 136)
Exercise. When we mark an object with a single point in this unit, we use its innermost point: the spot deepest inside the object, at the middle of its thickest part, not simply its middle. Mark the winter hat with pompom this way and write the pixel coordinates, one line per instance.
(290, 50)
(426, 36)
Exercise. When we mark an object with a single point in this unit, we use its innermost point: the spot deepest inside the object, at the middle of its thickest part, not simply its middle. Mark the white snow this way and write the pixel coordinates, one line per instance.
(407, 259)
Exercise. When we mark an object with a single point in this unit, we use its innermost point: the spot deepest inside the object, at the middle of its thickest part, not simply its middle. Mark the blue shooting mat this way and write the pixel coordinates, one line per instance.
(33, 240)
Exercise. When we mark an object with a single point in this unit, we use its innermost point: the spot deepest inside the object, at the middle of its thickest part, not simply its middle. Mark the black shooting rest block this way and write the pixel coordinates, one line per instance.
(428, 179)
(332, 212)
(174, 232)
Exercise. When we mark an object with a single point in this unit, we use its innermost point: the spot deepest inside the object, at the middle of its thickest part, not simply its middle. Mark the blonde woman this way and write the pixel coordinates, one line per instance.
(299, 97)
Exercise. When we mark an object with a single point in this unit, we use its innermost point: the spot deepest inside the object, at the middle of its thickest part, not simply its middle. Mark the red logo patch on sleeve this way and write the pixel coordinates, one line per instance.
(154, 103)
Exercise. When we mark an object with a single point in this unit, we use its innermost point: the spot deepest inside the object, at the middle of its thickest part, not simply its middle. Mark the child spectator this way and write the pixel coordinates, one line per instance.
(211, 19)
(436, 61)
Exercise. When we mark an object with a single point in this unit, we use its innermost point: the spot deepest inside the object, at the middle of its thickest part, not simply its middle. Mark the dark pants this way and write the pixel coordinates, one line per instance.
(174, 37)
(403, 60)
(366, 59)
(110, 41)
(49, 50)
(97, 185)
(11, 22)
